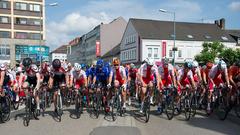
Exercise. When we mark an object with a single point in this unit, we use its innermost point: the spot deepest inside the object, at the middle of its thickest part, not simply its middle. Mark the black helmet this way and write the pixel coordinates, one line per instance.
(56, 63)
(188, 65)
(27, 62)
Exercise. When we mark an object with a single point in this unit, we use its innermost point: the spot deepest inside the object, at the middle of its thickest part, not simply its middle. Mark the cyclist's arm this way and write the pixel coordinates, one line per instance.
(231, 78)
(50, 82)
(38, 80)
(2, 79)
(226, 76)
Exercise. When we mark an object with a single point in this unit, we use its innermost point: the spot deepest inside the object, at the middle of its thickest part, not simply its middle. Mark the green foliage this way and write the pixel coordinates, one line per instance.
(216, 49)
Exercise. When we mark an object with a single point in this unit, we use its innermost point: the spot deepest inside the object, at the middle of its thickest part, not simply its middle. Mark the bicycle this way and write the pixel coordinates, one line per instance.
(43, 96)
(146, 104)
(5, 105)
(30, 106)
(169, 95)
(185, 102)
(116, 103)
(81, 100)
(59, 106)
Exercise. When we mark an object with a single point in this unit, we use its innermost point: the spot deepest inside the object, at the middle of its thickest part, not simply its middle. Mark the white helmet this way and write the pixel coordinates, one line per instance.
(34, 68)
(149, 61)
(77, 67)
(3, 67)
(19, 70)
(195, 64)
(216, 61)
(222, 64)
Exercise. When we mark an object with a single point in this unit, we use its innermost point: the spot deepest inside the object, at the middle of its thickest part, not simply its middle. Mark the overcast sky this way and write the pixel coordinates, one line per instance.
(72, 18)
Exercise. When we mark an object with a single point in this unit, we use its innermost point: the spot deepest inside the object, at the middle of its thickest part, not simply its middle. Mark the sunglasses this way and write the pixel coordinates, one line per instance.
(116, 65)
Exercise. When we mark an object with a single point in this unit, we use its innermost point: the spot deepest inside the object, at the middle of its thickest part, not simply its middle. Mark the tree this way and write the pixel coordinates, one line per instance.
(229, 56)
(210, 52)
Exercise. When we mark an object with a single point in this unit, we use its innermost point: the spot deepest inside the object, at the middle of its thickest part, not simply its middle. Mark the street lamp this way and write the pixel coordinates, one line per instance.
(174, 32)
(41, 21)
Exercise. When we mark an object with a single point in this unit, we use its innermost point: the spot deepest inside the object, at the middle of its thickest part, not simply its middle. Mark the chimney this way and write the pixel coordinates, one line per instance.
(222, 23)
(216, 22)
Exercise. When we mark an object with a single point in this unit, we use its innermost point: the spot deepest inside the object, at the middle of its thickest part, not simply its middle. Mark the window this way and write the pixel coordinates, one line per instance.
(4, 34)
(34, 7)
(189, 36)
(238, 40)
(21, 6)
(224, 38)
(170, 53)
(34, 22)
(21, 20)
(4, 50)
(21, 35)
(3, 4)
(155, 53)
(149, 52)
(207, 37)
(35, 36)
(179, 53)
(4, 19)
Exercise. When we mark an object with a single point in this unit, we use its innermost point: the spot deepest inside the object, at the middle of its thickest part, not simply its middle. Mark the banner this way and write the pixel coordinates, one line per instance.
(164, 46)
(98, 49)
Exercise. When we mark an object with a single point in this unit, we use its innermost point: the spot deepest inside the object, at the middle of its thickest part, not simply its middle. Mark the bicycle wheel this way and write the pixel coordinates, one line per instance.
(237, 110)
(169, 107)
(77, 106)
(194, 105)
(59, 106)
(6, 108)
(222, 108)
(187, 107)
(113, 111)
(27, 112)
(147, 109)
(119, 106)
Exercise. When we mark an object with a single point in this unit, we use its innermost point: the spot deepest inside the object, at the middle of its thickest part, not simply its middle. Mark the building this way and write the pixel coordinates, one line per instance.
(97, 42)
(113, 53)
(60, 53)
(22, 30)
(235, 34)
(154, 39)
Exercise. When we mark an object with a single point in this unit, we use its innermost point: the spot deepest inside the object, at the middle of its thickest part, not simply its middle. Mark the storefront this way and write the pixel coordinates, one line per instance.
(36, 53)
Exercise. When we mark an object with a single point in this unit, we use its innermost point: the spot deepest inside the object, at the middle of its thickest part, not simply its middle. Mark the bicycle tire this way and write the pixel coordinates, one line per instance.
(169, 108)
(147, 109)
(6, 115)
(187, 108)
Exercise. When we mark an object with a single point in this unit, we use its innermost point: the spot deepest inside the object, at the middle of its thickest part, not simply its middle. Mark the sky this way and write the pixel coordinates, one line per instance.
(73, 18)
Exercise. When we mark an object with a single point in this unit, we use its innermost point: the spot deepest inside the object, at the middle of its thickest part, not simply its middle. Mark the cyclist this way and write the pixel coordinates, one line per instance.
(146, 76)
(57, 79)
(132, 78)
(166, 71)
(234, 76)
(218, 75)
(120, 79)
(17, 84)
(102, 77)
(79, 77)
(33, 78)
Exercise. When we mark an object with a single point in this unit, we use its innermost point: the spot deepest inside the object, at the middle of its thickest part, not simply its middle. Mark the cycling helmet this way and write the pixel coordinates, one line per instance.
(99, 63)
(69, 64)
(3, 67)
(27, 62)
(221, 64)
(216, 61)
(150, 62)
(77, 67)
(34, 68)
(165, 60)
(116, 61)
(195, 64)
(188, 65)
(18, 70)
(132, 65)
(83, 65)
(56, 63)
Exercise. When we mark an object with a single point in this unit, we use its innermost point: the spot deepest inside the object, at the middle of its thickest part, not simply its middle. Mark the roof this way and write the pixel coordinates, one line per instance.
(235, 33)
(113, 52)
(61, 49)
(163, 30)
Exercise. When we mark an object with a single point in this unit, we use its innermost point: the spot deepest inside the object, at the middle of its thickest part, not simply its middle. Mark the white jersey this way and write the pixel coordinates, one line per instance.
(161, 70)
(181, 74)
(143, 70)
(214, 71)
(80, 75)
(121, 70)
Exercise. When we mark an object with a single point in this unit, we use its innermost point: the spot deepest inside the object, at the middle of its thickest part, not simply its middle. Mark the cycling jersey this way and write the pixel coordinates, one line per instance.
(58, 77)
(184, 77)
(133, 73)
(215, 75)
(234, 72)
(120, 74)
(147, 72)
(195, 72)
(79, 78)
(31, 77)
(165, 73)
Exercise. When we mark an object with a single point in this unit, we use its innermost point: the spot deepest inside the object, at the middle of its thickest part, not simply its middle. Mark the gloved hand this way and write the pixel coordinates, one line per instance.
(124, 86)
(109, 86)
(92, 86)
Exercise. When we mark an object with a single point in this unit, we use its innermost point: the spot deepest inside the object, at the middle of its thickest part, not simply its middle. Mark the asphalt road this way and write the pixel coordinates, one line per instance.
(130, 124)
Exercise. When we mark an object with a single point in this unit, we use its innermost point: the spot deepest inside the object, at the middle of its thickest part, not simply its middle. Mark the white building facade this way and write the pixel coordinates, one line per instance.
(152, 39)
(61, 56)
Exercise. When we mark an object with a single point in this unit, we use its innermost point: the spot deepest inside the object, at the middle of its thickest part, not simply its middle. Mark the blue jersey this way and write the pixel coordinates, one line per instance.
(90, 71)
(103, 74)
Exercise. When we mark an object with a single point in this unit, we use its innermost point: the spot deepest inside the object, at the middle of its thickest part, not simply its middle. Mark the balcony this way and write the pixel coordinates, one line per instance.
(5, 11)
(5, 25)
(26, 27)
(26, 13)
(35, 0)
